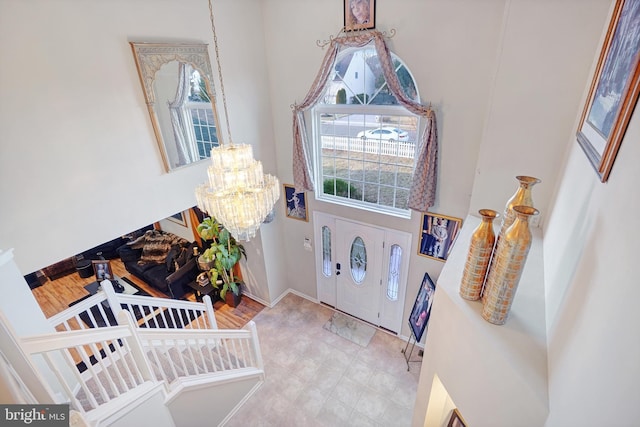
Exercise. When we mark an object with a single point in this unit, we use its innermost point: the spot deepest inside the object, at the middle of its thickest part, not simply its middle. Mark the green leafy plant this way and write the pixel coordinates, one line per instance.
(224, 252)
(341, 96)
(209, 229)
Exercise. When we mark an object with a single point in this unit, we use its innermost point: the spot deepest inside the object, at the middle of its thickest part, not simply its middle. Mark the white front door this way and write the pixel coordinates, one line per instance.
(359, 269)
(362, 269)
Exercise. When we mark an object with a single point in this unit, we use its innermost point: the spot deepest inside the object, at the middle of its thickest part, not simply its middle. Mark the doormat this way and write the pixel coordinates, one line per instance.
(349, 328)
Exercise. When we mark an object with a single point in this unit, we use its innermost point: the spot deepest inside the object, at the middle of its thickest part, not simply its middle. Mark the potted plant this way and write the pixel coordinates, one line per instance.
(220, 259)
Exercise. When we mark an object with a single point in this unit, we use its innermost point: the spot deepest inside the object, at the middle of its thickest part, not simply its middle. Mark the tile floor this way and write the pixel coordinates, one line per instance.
(317, 378)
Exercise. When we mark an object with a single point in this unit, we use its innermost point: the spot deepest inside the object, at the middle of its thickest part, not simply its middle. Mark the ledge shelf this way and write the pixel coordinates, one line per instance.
(482, 365)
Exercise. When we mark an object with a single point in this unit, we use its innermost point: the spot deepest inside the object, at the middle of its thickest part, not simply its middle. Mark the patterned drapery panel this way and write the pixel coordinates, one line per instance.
(423, 187)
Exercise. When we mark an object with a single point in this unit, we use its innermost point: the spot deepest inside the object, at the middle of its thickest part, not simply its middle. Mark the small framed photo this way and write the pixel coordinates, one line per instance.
(614, 90)
(102, 269)
(437, 235)
(178, 219)
(295, 203)
(359, 15)
(456, 419)
(422, 307)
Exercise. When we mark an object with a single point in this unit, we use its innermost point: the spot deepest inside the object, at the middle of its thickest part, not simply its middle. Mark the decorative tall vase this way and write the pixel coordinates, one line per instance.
(522, 197)
(478, 257)
(506, 267)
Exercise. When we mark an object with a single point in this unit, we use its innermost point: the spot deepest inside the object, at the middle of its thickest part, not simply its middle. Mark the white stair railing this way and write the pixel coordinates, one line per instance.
(120, 359)
(115, 366)
(150, 312)
(190, 353)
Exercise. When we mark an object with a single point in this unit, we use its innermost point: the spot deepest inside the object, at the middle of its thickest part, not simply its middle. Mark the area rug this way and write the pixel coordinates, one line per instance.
(351, 329)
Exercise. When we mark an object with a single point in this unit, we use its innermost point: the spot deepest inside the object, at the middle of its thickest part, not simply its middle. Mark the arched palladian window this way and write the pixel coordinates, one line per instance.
(365, 142)
(366, 132)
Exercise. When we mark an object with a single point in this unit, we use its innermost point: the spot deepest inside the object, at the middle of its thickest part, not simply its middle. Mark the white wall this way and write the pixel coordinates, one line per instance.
(79, 164)
(543, 62)
(589, 250)
(592, 289)
(449, 46)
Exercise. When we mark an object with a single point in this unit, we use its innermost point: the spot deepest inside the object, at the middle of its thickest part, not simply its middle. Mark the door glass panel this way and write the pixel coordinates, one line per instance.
(358, 260)
(395, 259)
(326, 251)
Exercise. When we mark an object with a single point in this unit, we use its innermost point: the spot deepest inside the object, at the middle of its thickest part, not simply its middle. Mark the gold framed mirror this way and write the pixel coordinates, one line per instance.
(177, 85)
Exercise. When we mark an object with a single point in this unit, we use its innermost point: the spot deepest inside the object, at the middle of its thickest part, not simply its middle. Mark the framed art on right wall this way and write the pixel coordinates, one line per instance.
(614, 89)
(456, 420)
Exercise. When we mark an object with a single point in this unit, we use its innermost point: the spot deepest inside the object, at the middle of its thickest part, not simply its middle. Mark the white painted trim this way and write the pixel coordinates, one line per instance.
(213, 379)
(255, 298)
(5, 256)
(294, 292)
(240, 404)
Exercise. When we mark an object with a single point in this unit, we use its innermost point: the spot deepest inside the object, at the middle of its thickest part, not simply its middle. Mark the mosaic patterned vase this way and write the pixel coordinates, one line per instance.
(522, 197)
(506, 267)
(478, 257)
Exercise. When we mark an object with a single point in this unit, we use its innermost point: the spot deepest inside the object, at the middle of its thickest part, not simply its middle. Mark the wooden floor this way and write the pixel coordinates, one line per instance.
(55, 296)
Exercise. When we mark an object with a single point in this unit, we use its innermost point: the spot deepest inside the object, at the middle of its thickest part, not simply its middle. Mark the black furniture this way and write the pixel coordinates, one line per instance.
(200, 291)
(84, 268)
(170, 276)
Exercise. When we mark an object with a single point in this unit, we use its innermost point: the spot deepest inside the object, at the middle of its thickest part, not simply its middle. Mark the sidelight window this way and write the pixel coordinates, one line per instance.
(395, 260)
(326, 251)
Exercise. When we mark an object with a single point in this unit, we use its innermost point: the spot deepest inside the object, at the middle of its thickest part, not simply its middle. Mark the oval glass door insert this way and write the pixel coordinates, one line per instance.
(358, 260)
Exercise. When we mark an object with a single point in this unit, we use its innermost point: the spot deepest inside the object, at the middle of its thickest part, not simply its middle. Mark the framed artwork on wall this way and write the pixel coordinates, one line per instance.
(102, 269)
(295, 203)
(614, 89)
(422, 307)
(437, 235)
(178, 219)
(359, 14)
(456, 419)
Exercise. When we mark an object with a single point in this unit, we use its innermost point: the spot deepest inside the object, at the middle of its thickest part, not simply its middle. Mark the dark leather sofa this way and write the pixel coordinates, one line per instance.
(168, 272)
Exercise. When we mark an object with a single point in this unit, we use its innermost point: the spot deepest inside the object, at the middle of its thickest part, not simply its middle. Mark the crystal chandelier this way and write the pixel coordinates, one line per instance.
(238, 195)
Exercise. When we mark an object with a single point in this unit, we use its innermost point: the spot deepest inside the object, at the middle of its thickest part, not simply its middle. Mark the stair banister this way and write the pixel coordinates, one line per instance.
(256, 344)
(209, 307)
(138, 353)
(110, 293)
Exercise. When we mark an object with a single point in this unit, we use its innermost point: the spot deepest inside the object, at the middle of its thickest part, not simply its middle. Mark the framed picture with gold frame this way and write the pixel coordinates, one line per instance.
(437, 235)
(295, 203)
(614, 89)
(456, 420)
(359, 15)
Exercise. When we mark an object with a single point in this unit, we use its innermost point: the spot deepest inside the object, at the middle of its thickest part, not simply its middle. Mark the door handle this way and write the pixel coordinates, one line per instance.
(337, 269)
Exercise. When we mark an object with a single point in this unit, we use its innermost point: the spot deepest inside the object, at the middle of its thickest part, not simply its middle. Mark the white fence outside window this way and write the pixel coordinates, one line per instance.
(369, 146)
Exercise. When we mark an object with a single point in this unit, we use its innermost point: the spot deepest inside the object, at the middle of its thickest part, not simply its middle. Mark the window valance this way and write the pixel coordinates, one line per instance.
(423, 187)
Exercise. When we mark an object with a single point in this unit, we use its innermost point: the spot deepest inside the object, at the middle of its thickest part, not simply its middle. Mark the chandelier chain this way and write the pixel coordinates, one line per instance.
(224, 97)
